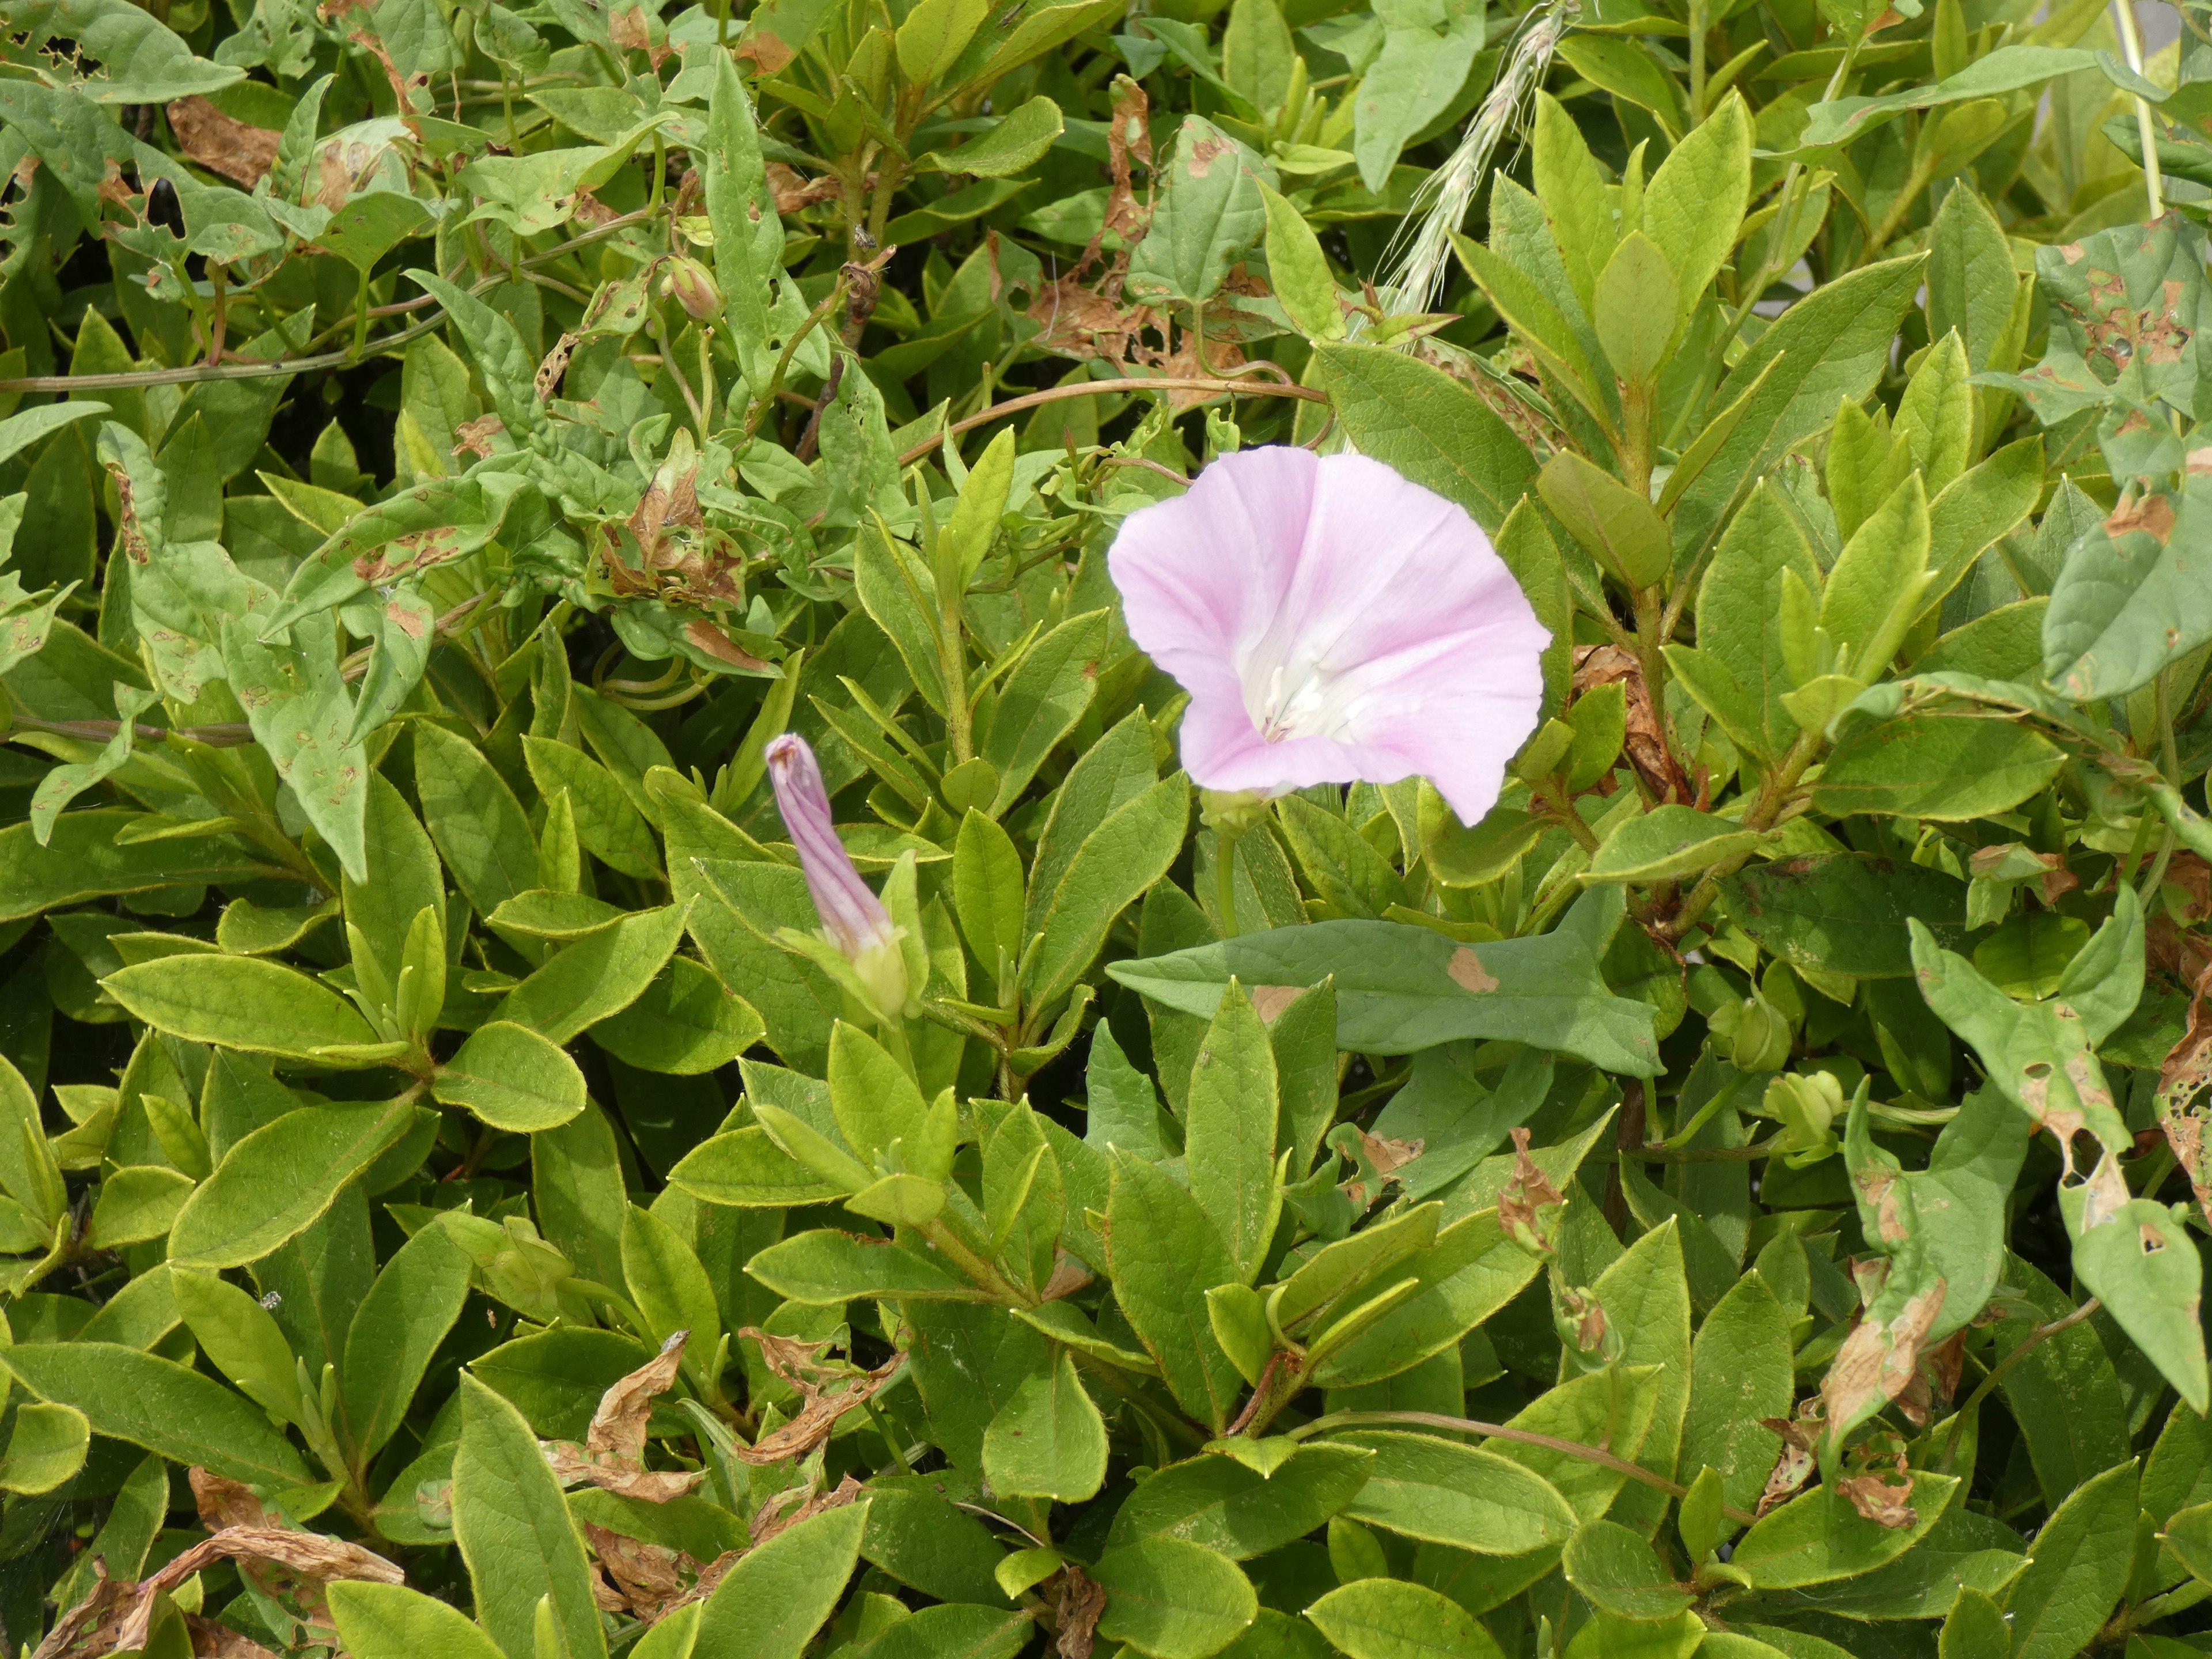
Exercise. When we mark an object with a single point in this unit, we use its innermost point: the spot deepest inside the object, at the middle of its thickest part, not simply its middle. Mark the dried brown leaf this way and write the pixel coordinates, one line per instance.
(1880, 1356)
(240, 153)
(223, 1502)
(825, 1395)
(1646, 745)
(612, 1456)
(306, 1555)
(213, 1641)
(1077, 1610)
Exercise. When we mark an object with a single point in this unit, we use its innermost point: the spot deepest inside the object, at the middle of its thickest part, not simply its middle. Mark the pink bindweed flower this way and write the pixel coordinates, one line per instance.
(854, 918)
(1332, 622)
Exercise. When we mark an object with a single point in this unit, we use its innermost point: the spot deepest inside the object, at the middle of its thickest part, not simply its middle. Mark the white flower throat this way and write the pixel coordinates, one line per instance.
(1297, 698)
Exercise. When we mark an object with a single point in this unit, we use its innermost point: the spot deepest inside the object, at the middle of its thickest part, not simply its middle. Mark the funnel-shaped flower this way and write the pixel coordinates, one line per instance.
(1332, 622)
(852, 915)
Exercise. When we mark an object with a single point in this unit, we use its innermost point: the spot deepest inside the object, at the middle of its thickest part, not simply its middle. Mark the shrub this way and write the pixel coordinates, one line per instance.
(635, 1020)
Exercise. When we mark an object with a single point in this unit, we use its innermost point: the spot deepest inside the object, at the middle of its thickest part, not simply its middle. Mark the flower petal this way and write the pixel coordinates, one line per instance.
(1367, 619)
(1202, 577)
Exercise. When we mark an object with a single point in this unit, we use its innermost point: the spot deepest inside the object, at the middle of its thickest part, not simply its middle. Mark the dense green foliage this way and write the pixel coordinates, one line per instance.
(1729, 1200)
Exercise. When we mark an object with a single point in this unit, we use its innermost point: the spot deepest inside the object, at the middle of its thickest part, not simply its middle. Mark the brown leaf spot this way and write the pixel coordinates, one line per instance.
(1268, 1001)
(2152, 512)
(1884, 1502)
(763, 49)
(1200, 156)
(1467, 972)
(717, 644)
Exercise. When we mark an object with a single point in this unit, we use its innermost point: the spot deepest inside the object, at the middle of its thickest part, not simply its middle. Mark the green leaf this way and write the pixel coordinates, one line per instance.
(139, 60)
(684, 1023)
(474, 817)
(935, 34)
(1874, 589)
(1834, 345)
(1401, 988)
(1618, 1572)
(1694, 204)
(611, 830)
(1427, 427)
(600, 975)
(1207, 212)
(296, 703)
(1666, 844)
(1048, 1441)
(88, 856)
(1020, 139)
(1166, 1254)
(1817, 1537)
(514, 1529)
(1041, 701)
(237, 1334)
(770, 1604)
(824, 1268)
(1741, 1373)
(988, 891)
(390, 1621)
(1634, 308)
(1296, 263)
(1173, 1600)
(246, 1002)
(2077, 1568)
(1945, 766)
(1972, 279)
(1975, 1629)
(1236, 1511)
(671, 1289)
(45, 1448)
(1229, 1131)
(1132, 848)
(137, 1204)
(1427, 54)
(507, 367)
(2009, 68)
(403, 879)
(511, 1079)
(1389, 1618)
(1449, 1493)
(1437, 1295)
(747, 1169)
(396, 1333)
(159, 1404)
(1618, 528)
(2127, 600)
(274, 1184)
(1845, 913)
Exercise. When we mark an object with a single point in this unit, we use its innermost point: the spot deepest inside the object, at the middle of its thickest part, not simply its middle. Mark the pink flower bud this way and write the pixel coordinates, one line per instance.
(692, 289)
(854, 918)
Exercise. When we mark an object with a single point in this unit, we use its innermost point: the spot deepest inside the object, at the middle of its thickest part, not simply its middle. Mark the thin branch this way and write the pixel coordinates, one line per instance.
(1102, 389)
(2027, 1344)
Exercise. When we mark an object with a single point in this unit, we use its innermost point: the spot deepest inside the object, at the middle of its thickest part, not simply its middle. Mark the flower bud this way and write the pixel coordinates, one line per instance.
(1232, 811)
(1753, 1035)
(853, 918)
(692, 289)
(1807, 1105)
